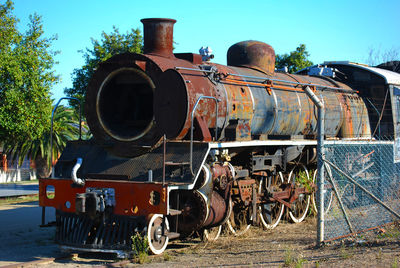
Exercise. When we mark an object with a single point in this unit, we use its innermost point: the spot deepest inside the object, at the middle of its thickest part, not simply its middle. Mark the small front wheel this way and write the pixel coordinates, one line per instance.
(157, 240)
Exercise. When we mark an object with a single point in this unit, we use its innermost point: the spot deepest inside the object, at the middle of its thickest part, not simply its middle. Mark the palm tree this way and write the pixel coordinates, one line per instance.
(65, 128)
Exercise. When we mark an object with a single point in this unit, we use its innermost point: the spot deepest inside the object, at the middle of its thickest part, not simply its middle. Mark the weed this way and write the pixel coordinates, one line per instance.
(289, 258)
(395, 263)
(345, 253)
(140, 248)
(379, 254)
(395, 233)
(299, 262)
(303, 180)
(391, 233)
(382, 235)
(167, 257)
(191, 250)
(143, 257)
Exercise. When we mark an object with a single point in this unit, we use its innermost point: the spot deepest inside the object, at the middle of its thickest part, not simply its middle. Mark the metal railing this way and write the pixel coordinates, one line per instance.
(191, 125)
(191, 135)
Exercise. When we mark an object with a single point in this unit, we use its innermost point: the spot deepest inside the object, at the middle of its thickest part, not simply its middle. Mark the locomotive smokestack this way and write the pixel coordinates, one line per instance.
(158, 36)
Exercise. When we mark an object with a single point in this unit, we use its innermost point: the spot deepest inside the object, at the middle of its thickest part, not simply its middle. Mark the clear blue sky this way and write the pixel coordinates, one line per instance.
(331, 30)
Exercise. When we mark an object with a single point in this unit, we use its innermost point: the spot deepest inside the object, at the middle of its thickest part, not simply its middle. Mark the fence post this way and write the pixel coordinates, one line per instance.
(320, 165)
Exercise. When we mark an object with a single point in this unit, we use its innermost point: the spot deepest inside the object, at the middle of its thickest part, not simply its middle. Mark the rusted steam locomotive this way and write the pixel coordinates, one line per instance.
(182, 145)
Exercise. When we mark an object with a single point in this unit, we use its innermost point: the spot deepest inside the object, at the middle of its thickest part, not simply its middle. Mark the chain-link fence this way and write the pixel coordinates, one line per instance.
(362, 186)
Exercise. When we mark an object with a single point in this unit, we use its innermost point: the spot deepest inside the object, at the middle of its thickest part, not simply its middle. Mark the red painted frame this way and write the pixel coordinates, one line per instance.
(131, 198)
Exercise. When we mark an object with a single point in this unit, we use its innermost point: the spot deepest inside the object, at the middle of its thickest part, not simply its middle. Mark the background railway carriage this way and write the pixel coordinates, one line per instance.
(182, 145)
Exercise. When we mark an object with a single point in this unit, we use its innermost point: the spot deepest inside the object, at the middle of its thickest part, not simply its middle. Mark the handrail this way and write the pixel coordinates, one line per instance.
(191, 126)
(52, 121)
(272, 79)
(293, 83)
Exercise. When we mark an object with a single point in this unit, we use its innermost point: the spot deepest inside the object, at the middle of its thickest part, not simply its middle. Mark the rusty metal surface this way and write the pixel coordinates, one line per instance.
(124, 120)
(194, 209)
(158, 36)
(245, 189)
(197, 84)
(252, 54)
(240, 107)
(289, 112)
(132, 198)
(217, 171)
(286, 110)
(356, 121)
(288, 195)
(113, 111)
(217, 210)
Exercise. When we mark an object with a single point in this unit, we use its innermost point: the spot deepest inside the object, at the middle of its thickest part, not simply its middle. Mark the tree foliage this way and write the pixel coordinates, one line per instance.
(65, 128)
(109, 45)
(26, 77)
(295, 60)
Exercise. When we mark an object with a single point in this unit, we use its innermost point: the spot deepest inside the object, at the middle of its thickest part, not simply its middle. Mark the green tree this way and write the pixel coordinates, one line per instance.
(65, 128)
(294, 61)
(109, 45)
(26, 77)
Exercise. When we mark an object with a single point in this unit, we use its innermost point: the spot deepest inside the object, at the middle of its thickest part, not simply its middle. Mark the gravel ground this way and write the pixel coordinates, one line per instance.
(289, 245)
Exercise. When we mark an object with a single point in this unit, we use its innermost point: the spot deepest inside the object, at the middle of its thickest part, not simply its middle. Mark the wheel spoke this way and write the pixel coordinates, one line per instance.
(271, 213)
(299, 176)
(157, 241)
(239, 221)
